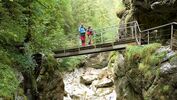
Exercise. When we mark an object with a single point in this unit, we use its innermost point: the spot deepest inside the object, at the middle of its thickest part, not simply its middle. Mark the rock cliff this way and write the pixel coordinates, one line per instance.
(148, 13)
(146, 73)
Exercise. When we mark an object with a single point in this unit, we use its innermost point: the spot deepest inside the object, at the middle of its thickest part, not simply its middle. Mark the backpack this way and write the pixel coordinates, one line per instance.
(81, 29)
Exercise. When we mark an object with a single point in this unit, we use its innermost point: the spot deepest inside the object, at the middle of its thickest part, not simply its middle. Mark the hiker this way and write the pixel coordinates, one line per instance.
(89, 34)
(82, 31)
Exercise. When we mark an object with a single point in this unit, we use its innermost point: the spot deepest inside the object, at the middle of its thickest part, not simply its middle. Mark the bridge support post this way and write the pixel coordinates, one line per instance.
(148, 37)
(125, 29)
(64, 49)
(132, 32)
(94, 38)
(140, 38)
(101, 37)
(136, 35)
(118, 35)
(171, 41)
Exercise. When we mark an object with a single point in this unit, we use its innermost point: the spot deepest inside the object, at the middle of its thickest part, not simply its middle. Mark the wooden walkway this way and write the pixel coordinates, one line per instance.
(120, 44)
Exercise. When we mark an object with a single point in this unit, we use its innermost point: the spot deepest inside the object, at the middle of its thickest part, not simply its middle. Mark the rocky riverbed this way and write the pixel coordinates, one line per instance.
(89, 84)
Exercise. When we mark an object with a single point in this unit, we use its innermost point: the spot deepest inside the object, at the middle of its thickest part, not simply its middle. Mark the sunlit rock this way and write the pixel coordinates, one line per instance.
(105, 82)
(87, 79)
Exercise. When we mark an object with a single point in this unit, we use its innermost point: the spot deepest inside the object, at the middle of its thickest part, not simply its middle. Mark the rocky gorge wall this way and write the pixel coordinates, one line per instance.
(146, 73)
(148, 13)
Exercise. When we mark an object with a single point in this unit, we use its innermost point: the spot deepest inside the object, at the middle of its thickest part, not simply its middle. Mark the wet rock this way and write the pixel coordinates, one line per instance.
(87, 79)
(169, 55)
(173, 61)
(51, 87)
(169, 52)
(119, 67)
(104, 91)
(155, 82)
(92, 71)
(77, 91)
(167, 68)
(106, 73)
(98, 61)
(163, 49)
(104, 83)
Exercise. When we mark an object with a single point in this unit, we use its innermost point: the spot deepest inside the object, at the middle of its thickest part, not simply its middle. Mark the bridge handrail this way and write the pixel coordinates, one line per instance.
(134, 25)
(116, 26)
(157, 27)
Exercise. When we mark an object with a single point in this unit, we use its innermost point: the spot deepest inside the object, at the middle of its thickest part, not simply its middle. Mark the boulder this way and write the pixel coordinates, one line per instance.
(98, 61)
(104, 83)
(104, 91)
(169, 52)
(88, 79)
(166, 68)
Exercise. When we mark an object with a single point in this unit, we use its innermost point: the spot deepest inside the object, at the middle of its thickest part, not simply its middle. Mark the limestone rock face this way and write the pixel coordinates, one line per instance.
(139, 77)
(89, 84)
(149, 12)
(51, 87)
(87, 79)
(105, 82)
(97, 60)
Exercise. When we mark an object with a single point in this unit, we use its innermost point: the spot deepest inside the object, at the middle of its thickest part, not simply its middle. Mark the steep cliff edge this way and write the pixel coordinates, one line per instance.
(146, 73)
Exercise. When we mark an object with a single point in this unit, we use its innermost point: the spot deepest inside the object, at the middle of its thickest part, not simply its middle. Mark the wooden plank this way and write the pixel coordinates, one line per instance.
(105, 45)
(72, 50)
(91, 51)
(97, 46)
(87, 47)
(60, 51)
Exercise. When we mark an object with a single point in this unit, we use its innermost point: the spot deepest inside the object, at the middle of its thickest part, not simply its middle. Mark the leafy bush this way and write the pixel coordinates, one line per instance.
(145, 57)
(68, 64)
(8, 81)
(113, 56)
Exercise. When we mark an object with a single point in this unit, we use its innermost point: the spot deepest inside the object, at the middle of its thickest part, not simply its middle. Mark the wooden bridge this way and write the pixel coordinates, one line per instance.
(131, 35)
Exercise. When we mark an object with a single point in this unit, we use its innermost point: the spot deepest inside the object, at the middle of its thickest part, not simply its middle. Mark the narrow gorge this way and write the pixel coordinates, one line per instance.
(32, 30)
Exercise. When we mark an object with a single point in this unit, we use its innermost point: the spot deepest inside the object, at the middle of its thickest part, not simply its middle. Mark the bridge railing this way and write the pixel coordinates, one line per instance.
(130, 30)
(104, 35)
(157, 34)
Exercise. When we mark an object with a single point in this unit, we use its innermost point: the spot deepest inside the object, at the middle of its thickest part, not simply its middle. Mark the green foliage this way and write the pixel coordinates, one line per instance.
(44, 24)
(145, 58)
(142, 66)
(71, 63)
(12, 23)
(50, 63)
(145, 54)
(113, 56)
(24, 62)
(8, 81)
(166, 88)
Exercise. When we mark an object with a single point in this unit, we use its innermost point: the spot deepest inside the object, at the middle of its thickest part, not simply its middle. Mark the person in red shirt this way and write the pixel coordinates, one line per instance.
(89, 34)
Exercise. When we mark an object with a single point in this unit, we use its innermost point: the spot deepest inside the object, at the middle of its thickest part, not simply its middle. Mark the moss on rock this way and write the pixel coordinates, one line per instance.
(141, 76)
